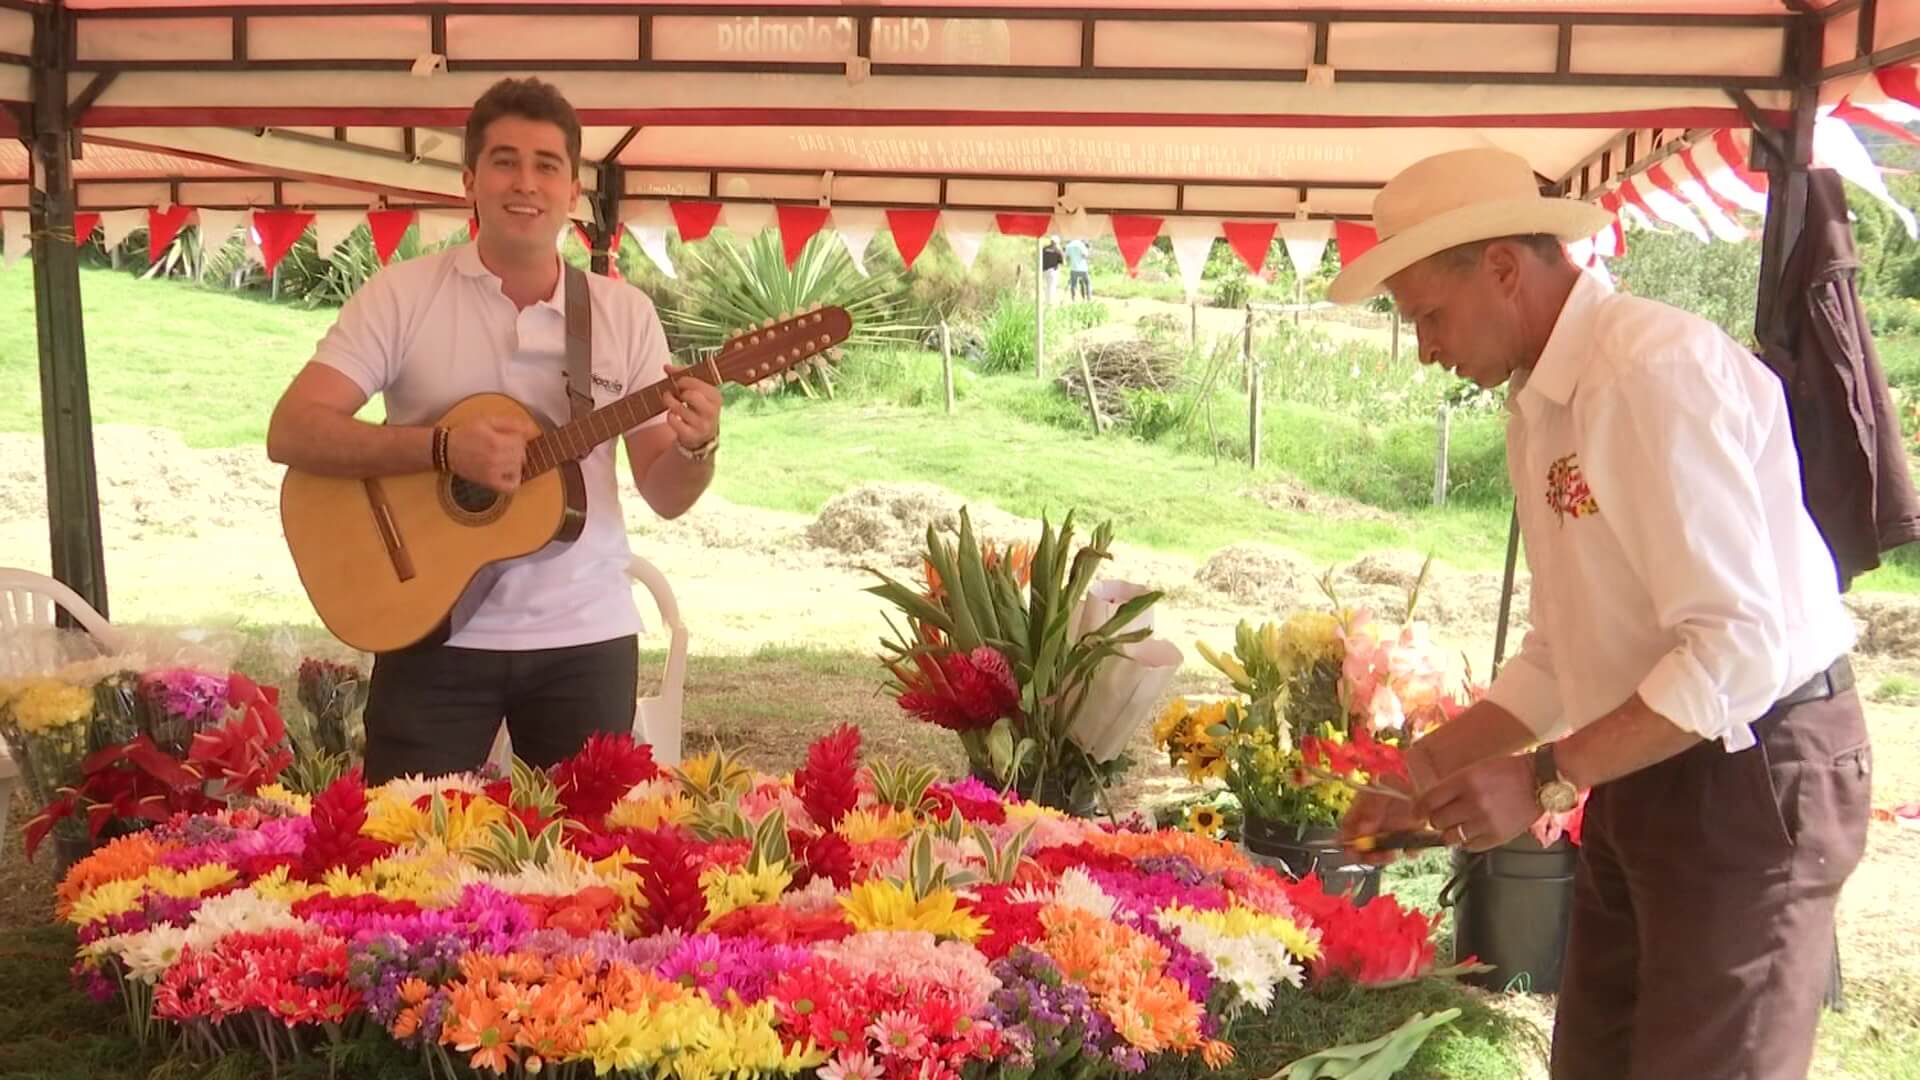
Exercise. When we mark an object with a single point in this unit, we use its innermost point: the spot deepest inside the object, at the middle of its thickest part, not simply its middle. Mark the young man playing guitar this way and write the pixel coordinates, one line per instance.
(547, 641)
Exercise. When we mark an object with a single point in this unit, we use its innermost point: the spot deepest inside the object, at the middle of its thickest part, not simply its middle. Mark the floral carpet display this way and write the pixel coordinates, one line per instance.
(611, 917)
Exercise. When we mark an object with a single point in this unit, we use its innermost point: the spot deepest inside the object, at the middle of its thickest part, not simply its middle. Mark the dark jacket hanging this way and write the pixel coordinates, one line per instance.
(1853, 459)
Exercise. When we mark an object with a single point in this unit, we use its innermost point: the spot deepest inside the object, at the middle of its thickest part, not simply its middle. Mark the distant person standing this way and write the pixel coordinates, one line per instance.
(1050, 259)
(1079, 285)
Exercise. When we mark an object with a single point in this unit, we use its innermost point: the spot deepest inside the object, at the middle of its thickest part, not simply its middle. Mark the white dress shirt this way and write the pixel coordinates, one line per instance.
(1660, 502)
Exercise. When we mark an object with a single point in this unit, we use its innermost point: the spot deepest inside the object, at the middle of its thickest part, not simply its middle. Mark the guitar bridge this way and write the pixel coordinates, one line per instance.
(389, 533)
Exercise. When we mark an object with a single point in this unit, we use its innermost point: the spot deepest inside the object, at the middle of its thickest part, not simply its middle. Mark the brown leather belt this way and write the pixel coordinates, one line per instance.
(1836, 680)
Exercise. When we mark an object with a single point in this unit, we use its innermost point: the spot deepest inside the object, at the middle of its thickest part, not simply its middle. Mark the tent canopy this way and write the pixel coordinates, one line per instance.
(1294, 109)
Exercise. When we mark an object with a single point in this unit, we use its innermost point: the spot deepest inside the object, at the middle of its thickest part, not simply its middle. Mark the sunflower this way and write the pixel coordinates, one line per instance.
(1204, 820)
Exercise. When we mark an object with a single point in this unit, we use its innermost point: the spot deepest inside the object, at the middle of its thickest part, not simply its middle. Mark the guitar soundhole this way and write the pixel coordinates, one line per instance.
(473, 498)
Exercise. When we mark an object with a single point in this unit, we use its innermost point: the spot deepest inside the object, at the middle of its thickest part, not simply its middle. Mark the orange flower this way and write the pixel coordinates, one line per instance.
(1207, 854)
(124, 859)
(1125, 971)
(477, 1027)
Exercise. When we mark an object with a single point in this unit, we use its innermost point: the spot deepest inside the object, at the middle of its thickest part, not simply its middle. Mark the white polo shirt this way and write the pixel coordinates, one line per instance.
(1660, 501)
(430, 331)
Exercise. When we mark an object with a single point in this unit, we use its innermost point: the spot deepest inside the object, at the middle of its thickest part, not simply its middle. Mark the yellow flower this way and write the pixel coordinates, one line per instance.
(883, 905)
(743, 1042)
(1172, 721)
(104, 902)
(729, 890)
(45, 705)
(1204, 820)
(278, 885)
(278, 793)
(424, 878)
(340, 883)
(188, 884)
(1311, 637)
(394, 820)
(671, 809)
(1240, 922)
(880, 823)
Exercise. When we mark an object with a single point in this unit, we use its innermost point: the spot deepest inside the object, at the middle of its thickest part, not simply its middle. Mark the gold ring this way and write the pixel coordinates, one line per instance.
(1461, 831)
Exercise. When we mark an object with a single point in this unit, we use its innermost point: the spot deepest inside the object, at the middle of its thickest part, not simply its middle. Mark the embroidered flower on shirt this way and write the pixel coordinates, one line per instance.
(1567, 490)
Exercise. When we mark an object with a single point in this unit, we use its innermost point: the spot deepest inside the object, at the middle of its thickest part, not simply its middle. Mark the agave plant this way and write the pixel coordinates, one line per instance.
(728, 289)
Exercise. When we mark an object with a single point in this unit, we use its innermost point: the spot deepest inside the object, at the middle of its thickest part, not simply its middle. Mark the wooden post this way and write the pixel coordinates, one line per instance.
(946, 363)
(1246, 350)
(1039, 312)
(1440, 456)
(66, 413)
(1393, 352)
(1093, 401)
(1193, 325)
(1253, 416)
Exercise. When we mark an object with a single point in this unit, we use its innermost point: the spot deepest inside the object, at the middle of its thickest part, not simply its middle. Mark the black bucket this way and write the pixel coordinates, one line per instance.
(1511, 908)
(1298, 851)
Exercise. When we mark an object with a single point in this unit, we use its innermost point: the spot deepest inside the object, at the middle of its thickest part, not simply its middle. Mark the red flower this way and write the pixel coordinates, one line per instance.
(668, 880)
(604, 770)
(1380, 942)
(1361, 753)
(829, 783)
(960, 691)
(338, 815)
(779, 926)
(949, 799)
(1009, 923)
(826, 855)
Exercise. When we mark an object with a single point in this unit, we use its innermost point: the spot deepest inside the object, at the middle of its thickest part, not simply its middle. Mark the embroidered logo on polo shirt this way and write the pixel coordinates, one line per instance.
(1567, 490)
(608, 385)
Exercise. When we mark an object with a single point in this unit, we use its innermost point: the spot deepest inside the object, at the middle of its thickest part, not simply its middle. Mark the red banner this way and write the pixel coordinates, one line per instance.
(911, 230)
(83, 226)
(797, 226)
(1354, 239)
(694, 219)
(1135, 235)
(163, 226)
(1034, 225)
(278, 230)
(1251, 240)
(388, 227)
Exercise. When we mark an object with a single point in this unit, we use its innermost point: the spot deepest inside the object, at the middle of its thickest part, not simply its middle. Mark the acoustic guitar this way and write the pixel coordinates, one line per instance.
(385, 559)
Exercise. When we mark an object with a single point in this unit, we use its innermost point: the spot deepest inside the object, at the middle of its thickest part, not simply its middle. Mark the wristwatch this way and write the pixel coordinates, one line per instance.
(1555, 794)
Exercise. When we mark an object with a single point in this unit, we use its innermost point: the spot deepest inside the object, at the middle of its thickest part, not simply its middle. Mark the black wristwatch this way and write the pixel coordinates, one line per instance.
(1553, 792)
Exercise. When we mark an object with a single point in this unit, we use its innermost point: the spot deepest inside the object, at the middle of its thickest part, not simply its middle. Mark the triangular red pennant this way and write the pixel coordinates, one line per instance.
(1854, 114)
(83, 226)
(1134, 234)
(797, 226)
(278, 230)
(473, 227)
(911, 230)
(694, 219)
(1900, 82)
(1611, 203)
(1251, 240)
(1023, 224)
(1354, 240)
(1730, 153)
(163, 226)
(586, 239)
(388, 227)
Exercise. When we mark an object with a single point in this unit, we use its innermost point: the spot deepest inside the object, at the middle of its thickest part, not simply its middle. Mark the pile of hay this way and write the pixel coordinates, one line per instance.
(1118, 366)
(885, 525)
(1261, 574)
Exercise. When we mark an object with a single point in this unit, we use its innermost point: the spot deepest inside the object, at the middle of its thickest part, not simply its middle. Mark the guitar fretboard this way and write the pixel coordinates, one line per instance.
(578, 439)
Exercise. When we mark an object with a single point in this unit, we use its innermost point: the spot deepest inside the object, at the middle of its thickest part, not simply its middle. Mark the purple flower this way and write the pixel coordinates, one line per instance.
(743, 966)
(1042, 1015)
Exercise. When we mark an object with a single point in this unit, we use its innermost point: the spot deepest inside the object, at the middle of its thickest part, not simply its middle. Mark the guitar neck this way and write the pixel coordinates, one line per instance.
(579, 438)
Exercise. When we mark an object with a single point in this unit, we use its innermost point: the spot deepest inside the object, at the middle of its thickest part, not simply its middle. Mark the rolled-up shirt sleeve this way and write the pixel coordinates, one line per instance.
(1527, 688)
(361, 343)
(1666, 456)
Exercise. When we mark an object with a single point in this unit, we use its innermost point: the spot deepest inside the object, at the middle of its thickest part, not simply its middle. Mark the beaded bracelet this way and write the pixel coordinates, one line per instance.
(441, 458)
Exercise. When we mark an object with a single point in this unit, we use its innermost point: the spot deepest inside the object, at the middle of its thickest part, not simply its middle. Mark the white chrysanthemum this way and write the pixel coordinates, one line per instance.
(1076, 890)
(820, 895)
(410, 789)
(1034, 892)
(149, 953)
(237, 913)
(564, 875)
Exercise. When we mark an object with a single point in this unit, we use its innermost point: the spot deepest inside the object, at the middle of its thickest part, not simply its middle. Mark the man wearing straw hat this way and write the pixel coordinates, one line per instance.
(1688, 653)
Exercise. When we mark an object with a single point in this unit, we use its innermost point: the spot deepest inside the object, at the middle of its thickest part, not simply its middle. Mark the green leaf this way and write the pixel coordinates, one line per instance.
(1000, 747)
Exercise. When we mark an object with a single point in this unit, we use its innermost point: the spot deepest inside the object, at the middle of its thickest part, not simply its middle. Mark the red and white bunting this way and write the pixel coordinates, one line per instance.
(1354, 239)
(1251, 240)
(163, 225)
(388, 228)
(694, 219)
(1306, 244)
(798, 224)
(911, 230)
(1192, 243)
(855, 225)
(966, 231)
(1134, 233)
(278, 231)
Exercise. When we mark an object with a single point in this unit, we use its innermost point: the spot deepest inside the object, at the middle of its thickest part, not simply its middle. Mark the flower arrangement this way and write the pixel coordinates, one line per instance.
(613, 918)
(1042, 671)
(101, 745)
(1322, 704)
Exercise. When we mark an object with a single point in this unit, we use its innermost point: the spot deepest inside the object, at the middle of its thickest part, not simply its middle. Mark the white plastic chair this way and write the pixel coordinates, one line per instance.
(656, 719)
(28, 603)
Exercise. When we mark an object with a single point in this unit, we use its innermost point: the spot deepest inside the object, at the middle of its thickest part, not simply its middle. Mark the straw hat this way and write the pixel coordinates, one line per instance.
(1457, 198)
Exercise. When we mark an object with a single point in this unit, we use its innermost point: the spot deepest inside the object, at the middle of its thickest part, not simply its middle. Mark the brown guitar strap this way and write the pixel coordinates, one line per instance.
(579, 343)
